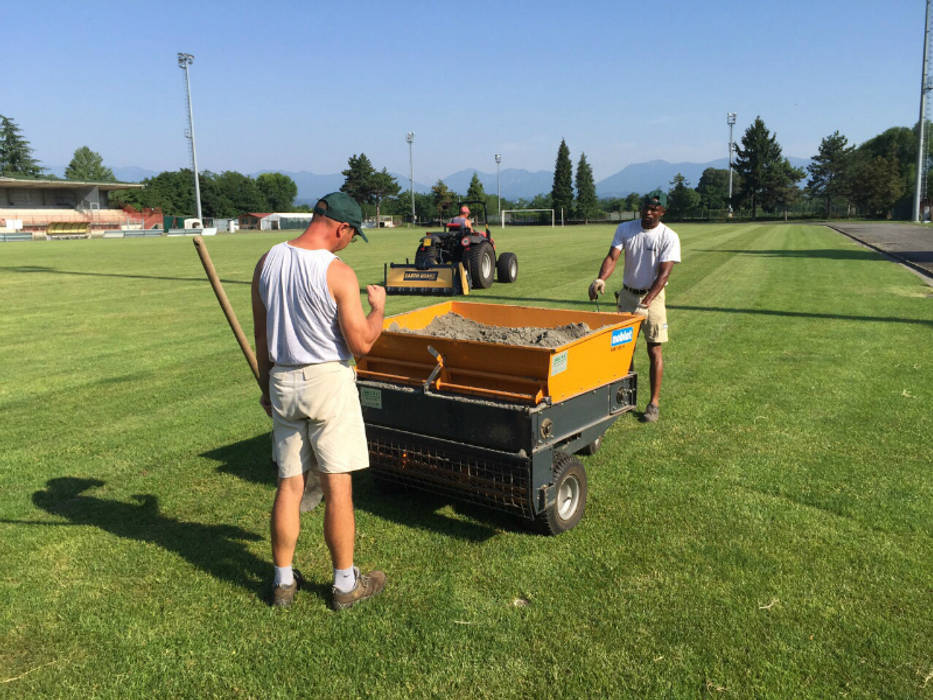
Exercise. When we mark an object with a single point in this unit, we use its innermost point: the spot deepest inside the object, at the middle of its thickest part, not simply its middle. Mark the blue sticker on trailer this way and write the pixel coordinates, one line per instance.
(621, 336)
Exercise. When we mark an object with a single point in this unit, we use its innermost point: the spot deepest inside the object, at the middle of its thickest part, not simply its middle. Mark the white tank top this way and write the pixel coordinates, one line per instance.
(301, 315)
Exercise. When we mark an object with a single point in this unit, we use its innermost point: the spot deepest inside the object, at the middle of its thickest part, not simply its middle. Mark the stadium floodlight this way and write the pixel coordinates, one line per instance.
(730, 120)
(498, 158)
(410, 138)
(185, 60)
(921, 124)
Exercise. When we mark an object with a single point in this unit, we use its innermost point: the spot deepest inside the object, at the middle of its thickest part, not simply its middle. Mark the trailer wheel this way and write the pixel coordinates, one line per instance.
(570, 484)
(507, 267)
(592, 448)
(482, 263)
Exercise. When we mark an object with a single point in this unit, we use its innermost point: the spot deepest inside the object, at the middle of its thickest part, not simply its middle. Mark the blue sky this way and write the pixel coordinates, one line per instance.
(304, 85)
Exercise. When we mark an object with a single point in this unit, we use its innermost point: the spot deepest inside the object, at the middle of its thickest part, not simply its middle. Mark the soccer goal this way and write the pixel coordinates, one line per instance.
(527, 217)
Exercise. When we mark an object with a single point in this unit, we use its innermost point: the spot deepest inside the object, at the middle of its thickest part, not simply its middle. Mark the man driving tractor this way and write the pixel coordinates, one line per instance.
(463, 219)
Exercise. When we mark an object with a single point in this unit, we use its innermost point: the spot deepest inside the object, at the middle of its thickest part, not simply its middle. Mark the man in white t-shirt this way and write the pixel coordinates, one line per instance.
(651, 249)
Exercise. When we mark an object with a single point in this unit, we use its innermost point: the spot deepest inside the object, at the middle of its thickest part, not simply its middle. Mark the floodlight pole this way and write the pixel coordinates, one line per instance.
(921, 142)
(185, 60)
(498, 158)
(730, 120)
(410, 138)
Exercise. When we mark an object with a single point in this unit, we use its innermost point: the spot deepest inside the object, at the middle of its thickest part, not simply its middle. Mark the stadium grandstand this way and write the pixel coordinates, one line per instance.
(41, 208)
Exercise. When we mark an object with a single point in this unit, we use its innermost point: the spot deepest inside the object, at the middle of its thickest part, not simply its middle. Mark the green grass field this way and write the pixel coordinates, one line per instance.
(771, 536)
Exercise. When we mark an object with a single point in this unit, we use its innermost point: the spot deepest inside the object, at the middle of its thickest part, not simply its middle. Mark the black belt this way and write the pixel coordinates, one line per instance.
(639, 292)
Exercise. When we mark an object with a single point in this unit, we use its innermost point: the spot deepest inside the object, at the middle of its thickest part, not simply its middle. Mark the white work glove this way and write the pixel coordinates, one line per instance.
(597, 287)
(641, 310)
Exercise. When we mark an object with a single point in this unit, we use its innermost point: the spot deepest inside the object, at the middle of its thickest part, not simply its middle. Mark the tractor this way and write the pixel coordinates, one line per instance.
(453, 260)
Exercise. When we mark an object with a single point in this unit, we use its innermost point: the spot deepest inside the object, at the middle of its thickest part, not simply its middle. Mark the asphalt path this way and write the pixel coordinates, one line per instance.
(909, 244)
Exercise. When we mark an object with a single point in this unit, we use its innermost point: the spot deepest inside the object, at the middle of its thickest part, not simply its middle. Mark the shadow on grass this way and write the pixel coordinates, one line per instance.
(215, 549)
(825, 253)
(251, 460)
(802, 314)
(85, 273)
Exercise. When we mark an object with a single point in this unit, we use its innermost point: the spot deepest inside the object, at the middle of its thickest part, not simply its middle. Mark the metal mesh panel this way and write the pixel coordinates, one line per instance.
(465, 474)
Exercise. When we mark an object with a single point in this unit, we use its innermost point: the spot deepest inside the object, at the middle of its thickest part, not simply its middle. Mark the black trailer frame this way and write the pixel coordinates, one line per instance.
(496, 454)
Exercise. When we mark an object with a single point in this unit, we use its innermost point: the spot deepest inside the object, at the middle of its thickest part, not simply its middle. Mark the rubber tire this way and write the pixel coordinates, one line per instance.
(425, 258)
(570, 484)
(507, 268)
(482, 264)
(592, 448)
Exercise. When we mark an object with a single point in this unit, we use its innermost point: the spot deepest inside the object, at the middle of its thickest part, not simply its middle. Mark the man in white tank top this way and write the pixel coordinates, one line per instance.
(309, 322)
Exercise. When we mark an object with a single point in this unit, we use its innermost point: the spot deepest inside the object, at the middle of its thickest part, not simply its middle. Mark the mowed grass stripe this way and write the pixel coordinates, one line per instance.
(769, 536)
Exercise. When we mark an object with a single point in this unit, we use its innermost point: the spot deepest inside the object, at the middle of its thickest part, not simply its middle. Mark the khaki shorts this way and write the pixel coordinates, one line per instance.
(654, 327)
(317, 420)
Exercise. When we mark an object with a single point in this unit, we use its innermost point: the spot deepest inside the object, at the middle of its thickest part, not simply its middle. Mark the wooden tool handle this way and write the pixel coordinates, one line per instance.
(225, 306)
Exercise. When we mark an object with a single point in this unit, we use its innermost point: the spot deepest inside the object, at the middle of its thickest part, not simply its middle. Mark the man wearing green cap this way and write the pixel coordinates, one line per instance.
(309, 323)
(651, 250)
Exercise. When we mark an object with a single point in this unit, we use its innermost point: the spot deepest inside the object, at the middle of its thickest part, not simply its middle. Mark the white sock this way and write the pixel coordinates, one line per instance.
(344, 580)
(283, 576)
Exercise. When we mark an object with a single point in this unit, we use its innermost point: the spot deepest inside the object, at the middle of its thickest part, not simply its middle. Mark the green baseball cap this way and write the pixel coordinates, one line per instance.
(340, 206)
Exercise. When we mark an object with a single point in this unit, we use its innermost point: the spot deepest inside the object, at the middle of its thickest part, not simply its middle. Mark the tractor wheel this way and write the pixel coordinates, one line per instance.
(482, 265)
(592, 448)
(570, 484)
(507, 267)
(425, 258)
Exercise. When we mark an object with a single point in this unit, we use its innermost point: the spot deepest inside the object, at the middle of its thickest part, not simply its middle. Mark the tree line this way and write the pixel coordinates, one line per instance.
(874, 179)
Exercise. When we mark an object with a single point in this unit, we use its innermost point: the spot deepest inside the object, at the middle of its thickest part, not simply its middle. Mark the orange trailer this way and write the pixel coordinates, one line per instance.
(492, 423)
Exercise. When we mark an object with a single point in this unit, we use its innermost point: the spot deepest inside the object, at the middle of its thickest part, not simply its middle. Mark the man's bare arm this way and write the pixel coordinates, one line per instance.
(609, 263)
(359, 330)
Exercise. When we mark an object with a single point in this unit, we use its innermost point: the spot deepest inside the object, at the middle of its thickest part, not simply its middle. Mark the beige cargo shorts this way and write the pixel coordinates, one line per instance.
(317, 420)
(654, 327)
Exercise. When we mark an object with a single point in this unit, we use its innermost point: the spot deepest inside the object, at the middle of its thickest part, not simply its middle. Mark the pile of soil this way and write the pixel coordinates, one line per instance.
(455, 326)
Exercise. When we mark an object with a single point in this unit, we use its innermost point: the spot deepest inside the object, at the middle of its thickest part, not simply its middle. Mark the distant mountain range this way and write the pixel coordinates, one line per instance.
(514, 183)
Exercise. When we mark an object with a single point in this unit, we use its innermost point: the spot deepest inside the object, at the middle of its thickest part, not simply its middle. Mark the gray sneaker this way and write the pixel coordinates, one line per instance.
(367, 586)
(283, 596)
(651, 413)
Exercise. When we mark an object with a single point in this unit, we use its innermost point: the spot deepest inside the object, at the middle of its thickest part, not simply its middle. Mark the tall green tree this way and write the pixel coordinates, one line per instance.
(830, 175)
(383, 185)
(877, 184)
(682, 200)
(214, 200)
(562, 191)
(899, 143)
(88, 166)
(242, 191)
(359, 181)
(587, 203)
(15, 153)
(278, 190)
(632, 201)
(475, 191)
(713, 188)
(782, 190)
(444, 199)
(757, 159)
(401, 205)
